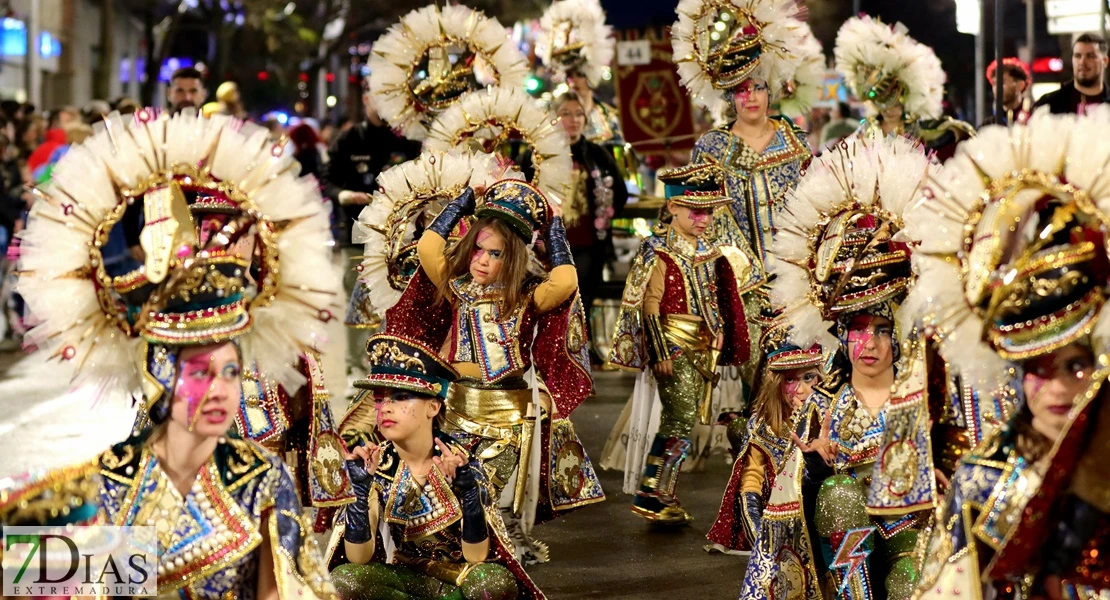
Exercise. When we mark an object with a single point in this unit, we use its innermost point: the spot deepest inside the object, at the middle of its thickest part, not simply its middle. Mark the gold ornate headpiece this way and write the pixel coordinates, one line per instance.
(883, 65)
(574, 36)
(718, 44)
(249, 261)
(840, 248)
(1014, 262)
(429, 60)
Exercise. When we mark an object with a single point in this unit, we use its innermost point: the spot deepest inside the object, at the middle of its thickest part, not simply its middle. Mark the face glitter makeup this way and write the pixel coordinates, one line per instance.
(194, 384)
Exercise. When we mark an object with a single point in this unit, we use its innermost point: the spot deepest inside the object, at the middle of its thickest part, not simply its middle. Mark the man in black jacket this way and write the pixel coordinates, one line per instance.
(1087, 90)
(357, 157)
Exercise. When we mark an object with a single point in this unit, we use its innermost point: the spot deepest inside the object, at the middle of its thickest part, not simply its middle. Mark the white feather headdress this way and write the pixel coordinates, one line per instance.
(994, 178)
(62, 275)
(877, 177)
(573, 34)
(807, 85)
(871, 56)
(771, 25)
(497, 114)
(453, 32)
(406, 192)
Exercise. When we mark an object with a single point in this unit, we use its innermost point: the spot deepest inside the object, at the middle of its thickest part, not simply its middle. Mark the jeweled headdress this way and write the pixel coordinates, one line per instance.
(409, 197)
(804, 89)
(696, 185)
(781, 354)
(425, 63)
(574, 37)
(493, 118)
(519, 204)
(839, 249)
(720, 43)
(1013, 259)
(249, 259)
(402, 364)
(883, 65)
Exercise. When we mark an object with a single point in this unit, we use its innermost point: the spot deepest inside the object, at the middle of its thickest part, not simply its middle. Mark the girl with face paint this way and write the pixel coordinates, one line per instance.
(767, 475)
(763, 158)
(443, 519)
(493, 320)
(1039, 483)
(842, 271)
(172, 336)
(687, 317)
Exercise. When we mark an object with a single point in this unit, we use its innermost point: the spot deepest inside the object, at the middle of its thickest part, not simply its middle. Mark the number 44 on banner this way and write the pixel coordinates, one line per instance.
(633, 53)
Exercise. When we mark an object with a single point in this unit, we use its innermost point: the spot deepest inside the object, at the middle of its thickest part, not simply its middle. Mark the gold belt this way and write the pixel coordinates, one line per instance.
(692, 335)
(687, 331)
(495, 414)
(498, 408)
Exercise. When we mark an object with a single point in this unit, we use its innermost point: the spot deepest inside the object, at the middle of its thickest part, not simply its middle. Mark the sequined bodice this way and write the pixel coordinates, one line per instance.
(482, 333)
(757, 182)
(691, 279)
(856, 431)
(209, 537)
(206, 538)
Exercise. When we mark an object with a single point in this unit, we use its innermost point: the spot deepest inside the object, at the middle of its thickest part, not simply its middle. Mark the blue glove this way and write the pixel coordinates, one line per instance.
(358, 512)
(451, 214)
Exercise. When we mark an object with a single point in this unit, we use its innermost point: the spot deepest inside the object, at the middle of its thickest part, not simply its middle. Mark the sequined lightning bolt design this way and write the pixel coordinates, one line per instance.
(851, 553)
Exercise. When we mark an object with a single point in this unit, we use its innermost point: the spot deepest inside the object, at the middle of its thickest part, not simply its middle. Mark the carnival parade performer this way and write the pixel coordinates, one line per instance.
(761, 509)
(681, 316)
(578, 46)
(842, 268)
(734, 75)
(208, 300)
(902, 82)
(1023, 304)
(517, 340)
(425, 523)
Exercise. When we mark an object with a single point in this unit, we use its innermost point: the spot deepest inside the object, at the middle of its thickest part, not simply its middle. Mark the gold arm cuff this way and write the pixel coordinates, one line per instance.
(656, 343)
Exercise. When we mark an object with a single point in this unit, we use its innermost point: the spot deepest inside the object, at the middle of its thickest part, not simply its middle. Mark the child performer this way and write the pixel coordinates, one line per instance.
(493, 319)
(680, 309)
(425, 522)
(761, 510)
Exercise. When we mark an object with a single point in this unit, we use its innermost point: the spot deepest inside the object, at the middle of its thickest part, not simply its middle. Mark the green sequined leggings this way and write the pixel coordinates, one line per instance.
(680, 394)
(379, 581)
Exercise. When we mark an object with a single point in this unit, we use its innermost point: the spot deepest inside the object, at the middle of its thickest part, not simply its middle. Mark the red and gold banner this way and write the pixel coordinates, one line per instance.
(655, 112)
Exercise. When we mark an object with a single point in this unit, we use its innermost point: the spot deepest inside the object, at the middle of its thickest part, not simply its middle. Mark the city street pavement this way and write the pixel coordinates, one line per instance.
(599, 551)
(604, 551)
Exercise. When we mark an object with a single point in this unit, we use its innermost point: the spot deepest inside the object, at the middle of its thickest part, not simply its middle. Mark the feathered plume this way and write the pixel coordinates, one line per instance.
(880, 176)
(63, 279)
(398, 54)
(576, 28)
(953, 274)
(868, 50)
(497, 114)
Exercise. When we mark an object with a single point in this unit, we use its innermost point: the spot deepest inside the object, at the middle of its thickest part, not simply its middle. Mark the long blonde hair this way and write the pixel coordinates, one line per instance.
(770, 405)
(514, 263)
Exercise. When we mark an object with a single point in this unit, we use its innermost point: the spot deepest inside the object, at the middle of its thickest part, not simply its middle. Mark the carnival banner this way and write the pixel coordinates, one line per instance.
(655, 112)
